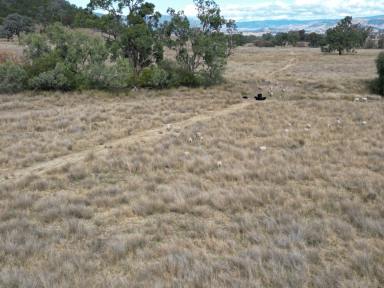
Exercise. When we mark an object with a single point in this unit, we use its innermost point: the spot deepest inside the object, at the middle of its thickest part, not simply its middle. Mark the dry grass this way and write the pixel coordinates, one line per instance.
(285, 193)
(10, 51)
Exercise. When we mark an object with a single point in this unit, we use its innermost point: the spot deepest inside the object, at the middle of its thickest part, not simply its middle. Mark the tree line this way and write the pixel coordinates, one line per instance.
(131, 51)
(289, 38)
(343, 38)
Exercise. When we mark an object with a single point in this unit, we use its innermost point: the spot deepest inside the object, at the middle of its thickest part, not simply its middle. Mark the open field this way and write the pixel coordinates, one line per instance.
(199, 187)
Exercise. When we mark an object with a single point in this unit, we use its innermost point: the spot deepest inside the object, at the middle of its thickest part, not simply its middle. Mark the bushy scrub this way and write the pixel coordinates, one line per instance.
(3, 33)
(59, 78)
(380, 71)
(117, 76)
(12, 77)
(66, 59)
(154, 77)
(62, 58)
(36, 45)
(179, 76)
(44, 63)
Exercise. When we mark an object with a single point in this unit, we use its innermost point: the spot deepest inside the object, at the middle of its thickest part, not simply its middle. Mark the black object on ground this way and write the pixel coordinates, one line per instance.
(245, 97)
(260, 97)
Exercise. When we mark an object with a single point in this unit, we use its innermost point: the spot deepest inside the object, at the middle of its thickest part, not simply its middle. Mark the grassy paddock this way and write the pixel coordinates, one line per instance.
(283, 193)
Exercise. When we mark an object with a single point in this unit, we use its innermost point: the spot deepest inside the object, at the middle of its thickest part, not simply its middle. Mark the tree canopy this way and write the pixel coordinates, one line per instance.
(14, 24)
(346, 36)
(134, 36)
(203, 49)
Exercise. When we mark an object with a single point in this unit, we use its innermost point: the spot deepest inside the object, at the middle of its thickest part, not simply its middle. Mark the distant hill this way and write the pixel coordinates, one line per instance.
(42, 11)
(319, 26)
(285, 25)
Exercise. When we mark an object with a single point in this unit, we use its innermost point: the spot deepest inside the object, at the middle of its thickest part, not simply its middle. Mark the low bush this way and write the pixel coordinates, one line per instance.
(60, 78)
(154, 77)
(36, 45)
(44, 63)
(117, 76)
(380, 71)
(188, 79)
(3, 33)
(178, 76)
(13, 77)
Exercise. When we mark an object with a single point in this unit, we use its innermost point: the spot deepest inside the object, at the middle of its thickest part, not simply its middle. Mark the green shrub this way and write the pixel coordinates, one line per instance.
(63, 58)
(117, 76)
(179, 76)
(3, 33)
(44, 63)
(380, 71)
(154, 77)
(36, 45)
(77, 50)
(189, 79)
(12, 77)
(57, 79)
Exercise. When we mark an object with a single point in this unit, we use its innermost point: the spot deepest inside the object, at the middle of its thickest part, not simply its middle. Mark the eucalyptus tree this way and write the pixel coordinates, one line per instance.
(133, 26)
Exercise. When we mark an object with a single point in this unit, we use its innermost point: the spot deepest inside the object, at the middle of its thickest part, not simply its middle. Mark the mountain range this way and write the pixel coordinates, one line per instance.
(318, 26)
(285, 25)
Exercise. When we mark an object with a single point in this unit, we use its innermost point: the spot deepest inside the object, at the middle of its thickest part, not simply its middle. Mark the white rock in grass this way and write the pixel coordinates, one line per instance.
(219, 164)
(364, 99)
(364, 123)
(263, 148)
(169, 127)
(186, 153)
(190, 140)
(357, 99)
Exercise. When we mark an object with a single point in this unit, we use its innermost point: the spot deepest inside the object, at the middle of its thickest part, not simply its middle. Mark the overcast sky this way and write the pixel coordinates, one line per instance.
(278, 9)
